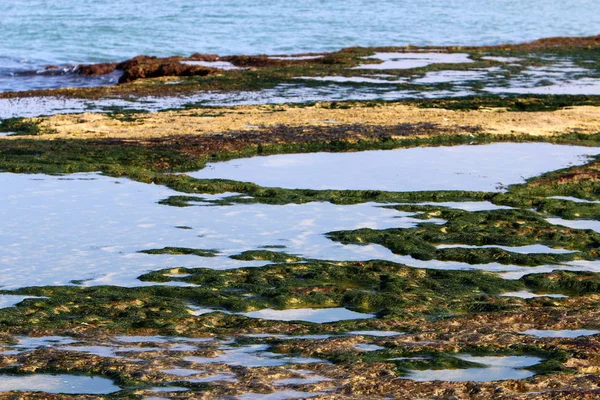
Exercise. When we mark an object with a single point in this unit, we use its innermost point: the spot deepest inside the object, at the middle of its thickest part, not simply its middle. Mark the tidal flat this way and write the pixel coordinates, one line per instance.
(443, 248)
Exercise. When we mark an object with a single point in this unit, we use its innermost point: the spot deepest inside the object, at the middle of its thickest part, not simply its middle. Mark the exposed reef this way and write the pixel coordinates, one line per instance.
(295, 326)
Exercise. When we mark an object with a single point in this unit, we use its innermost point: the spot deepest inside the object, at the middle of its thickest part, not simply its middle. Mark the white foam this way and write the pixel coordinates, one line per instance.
(224, 65)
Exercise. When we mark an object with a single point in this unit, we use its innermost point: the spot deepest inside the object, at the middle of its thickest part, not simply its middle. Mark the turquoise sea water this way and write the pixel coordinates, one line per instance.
(36, 33)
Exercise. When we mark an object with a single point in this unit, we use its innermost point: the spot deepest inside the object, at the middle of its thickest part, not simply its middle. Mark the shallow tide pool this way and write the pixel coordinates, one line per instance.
(65, 384)
(90, 229)
(561, 333)
(315, 315)
(493, 369)
(477, 168)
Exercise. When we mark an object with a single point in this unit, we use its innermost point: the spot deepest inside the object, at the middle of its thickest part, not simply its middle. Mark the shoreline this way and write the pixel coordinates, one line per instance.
(154, 76)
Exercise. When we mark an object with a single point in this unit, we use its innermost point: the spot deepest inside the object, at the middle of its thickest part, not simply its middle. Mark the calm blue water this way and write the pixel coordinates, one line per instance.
(35, 33)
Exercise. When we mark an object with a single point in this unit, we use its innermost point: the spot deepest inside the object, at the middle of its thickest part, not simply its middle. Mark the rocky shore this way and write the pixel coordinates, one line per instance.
(191, 332)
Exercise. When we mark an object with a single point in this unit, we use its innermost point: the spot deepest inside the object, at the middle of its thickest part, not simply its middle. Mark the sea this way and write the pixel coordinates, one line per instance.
(35, 34)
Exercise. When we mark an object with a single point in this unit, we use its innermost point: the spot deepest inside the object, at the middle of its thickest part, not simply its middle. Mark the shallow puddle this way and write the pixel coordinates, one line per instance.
(414, 60)
(65, 384)
(447, 167)
(574, 199)
(256, 355)
(169, 389)
(182, 371)
(214, 378)
(94, 227)
(10, 300)
(529, 249)
(575, 87)
(502, 361)
(496, 369)
(376, 333)
(286, 337)
(300, 381)
(470, 374)
(472, 206)
(576, 223)
(368, 347)
(282, 395)
(578, 265)
(315, 315)
(309, 337)
(283, 93)
(30, 343)
(503, 59)
(354, 79)
(563, 333)
(100, 351)
(161, 339)
(525, 294)
(451, 77)
(121, 345)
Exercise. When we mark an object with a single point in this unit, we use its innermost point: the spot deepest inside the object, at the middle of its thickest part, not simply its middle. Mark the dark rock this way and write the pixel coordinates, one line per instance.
(204, 57)
(96, 69)
(141, 67)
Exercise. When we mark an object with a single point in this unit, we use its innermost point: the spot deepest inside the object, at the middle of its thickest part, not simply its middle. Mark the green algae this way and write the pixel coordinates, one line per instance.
(19, 127)
(143, 161)
(374, 286)
(580, 182)
(567, 209)
(520, 103)
(405, 358)
(182, 251)
(567, 282)
(266, 255)
(494, 227)
(254, 194)
(391, 290)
